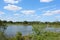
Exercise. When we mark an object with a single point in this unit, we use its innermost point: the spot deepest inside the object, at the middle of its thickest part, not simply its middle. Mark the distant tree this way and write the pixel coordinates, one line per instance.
(46, 22)
(4, 21)
(10, 22)
(1, 23)
(25, 22)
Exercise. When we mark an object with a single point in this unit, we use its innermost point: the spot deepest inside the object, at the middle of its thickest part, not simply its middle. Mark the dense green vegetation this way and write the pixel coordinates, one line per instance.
(38, 33)
(41, 35)
(29, 23)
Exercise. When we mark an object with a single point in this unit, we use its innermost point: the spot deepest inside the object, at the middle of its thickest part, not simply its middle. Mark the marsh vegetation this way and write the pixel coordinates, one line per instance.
(35, 30)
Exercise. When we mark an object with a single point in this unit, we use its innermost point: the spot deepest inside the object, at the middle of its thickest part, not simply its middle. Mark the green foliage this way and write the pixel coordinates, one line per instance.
(39, 34)
(2, 36)
(19, 36)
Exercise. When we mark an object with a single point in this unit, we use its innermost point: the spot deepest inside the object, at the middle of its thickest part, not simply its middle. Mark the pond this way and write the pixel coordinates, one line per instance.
(52, 29)
(13, 29)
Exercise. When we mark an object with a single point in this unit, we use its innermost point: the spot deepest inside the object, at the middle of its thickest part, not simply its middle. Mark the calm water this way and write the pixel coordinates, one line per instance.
(52, 29)
(13, 29)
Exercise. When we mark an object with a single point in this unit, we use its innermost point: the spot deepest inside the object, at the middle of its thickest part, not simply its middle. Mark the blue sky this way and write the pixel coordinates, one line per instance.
(30, 10)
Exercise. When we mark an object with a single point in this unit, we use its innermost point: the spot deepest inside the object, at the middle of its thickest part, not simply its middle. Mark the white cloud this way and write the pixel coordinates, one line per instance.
(1, 12)
(47, 7)
(57, 16)
(9, 18)
(46, 0)
(11, 1)
(28, 11)
(12, 7)
(16, 14)
(49, 13)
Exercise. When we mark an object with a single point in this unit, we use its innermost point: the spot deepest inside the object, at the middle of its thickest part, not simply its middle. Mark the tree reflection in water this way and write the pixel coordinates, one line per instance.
(3, 28)
(2, 35)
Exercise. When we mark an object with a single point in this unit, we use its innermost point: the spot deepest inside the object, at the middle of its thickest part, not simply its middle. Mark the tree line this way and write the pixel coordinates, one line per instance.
(27, 22)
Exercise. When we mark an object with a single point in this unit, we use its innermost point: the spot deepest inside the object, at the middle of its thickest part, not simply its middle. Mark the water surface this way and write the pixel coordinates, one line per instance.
(13, 29)
(52, 29)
